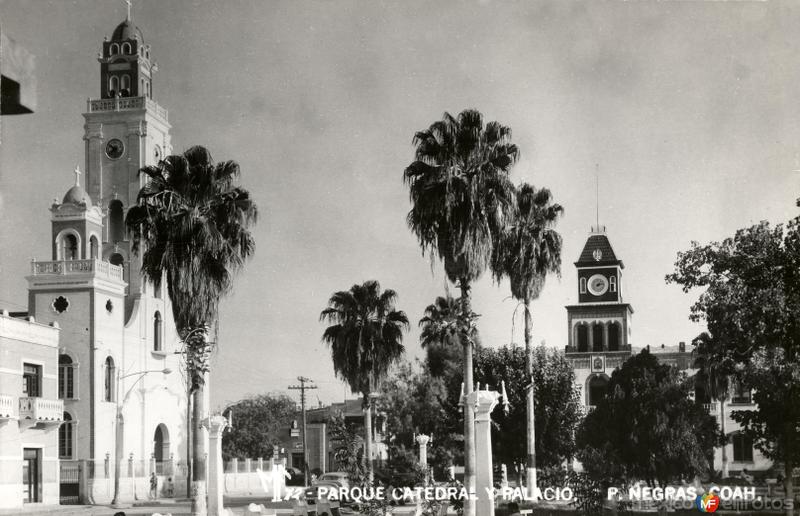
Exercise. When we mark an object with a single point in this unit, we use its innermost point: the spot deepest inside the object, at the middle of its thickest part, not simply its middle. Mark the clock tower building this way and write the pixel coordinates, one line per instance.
(599, 325)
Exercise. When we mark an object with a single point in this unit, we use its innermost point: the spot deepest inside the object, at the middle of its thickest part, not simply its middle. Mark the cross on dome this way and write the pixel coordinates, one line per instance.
(77, 175)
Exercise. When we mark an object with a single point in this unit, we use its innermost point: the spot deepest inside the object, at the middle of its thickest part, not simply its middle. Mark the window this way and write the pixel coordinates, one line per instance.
(126, 48)
(613, 283)
(113, 85)
(583, 285)
(31, 380)
(597, 337)
(65, 437)
(614, 336)
(157, 346)
(742, 448)
(113, 49)
(110, 376)
(741, 394)
(69, 247)
(116, 221)
(125, 85)
(583, 338)
(66, 377)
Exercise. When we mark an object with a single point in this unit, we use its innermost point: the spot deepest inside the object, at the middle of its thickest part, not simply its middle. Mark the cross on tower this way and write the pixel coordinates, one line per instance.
(77, 175)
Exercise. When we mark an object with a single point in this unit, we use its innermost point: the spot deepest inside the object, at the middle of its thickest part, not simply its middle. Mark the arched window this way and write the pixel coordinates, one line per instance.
(597, 337)
(583, 338)
(94, 248)
(161, 443)
(66, 377)
(116, 259)
(110, 379)
(583, 286)
(65, 437)
(596, 389)
(125, 85)
(69, 247)
(126, 48)
(614, 336)
(157, 330)
(742, 448)
(116, 221)
(741, 394)
(113, 49)
(612, 282)
(147, 89)
(113, 85)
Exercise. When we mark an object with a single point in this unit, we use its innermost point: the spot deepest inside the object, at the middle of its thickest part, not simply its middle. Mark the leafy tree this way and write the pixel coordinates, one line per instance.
(529, 249)
(348, 449)
(559, 406)
(365, 336)
(260, 422)
(461, 197)
(750, 303)
(191, 226)
(646, 428)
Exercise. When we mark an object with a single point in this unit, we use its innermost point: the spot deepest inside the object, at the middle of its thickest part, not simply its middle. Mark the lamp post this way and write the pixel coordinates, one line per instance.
(118, 444)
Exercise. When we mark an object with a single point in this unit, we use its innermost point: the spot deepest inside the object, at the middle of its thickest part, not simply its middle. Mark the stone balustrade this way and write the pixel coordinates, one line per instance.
(41, 410)
(125, 104)
(62, 267)
(7, 407)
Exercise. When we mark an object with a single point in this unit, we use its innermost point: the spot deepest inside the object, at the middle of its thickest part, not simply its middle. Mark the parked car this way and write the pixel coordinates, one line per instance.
(332, 481)
(297, 477)
(335, 476)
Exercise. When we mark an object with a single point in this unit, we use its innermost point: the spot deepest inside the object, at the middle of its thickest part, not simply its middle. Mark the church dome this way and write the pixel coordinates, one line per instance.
(77, 195)
(127, 30)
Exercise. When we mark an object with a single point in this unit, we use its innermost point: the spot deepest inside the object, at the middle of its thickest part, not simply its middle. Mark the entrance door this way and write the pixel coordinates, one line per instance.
(31, 475)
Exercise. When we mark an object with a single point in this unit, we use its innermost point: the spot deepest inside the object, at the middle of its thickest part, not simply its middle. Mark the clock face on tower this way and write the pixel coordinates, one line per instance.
(115, 148)
(598, 285)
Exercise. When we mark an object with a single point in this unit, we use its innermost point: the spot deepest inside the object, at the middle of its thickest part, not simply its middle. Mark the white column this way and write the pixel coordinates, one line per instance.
(422, 440)
(215, 425)
(484, 402)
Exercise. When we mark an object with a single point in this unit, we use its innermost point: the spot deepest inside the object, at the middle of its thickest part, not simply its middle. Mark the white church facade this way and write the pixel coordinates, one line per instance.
(97, 351)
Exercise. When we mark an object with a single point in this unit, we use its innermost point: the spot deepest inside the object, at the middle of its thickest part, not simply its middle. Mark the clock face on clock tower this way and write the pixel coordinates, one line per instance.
(598, 285)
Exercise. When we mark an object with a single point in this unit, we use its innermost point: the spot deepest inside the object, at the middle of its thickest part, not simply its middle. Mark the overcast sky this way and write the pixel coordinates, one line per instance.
(690, 108)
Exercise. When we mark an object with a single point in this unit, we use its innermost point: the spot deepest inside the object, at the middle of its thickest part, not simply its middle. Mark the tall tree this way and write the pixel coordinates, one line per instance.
(558, 402)
(461, 197)
(714, 377)
(646, 427)
(366, 337)
(749, 301)
(191, 226)
(529, 249)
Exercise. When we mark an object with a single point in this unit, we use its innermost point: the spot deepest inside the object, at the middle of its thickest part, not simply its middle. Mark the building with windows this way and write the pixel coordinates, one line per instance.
(114, 365)
(599, 341)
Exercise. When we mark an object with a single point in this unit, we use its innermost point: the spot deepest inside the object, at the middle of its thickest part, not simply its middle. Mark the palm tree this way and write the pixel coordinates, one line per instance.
(440, 330)
(461, 195)
(528, 250)
(365, 336)
(191, 226)
(714, 372)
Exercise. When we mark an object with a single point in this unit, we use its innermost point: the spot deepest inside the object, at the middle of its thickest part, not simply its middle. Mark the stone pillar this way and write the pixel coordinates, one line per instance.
(484, 402)
(590, 335)
(605, 336)
(422, 440)
(215, 424)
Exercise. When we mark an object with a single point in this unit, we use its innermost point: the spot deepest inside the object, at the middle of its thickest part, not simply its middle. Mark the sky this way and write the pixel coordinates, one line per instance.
(688, 110)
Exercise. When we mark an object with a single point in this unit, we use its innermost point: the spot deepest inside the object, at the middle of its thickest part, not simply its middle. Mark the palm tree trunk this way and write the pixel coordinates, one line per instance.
(725, 435)
(531, 463)
(469, 412)
(368, 438)
(199, 502)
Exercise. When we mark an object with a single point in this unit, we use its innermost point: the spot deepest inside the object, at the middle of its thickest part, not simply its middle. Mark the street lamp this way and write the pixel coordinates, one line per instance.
(118, 444)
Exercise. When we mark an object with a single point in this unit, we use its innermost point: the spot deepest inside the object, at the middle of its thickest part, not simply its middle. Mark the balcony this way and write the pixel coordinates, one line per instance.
(711, 408)
(41, 410)
(126, 104)
(7, 408)
(66, 267)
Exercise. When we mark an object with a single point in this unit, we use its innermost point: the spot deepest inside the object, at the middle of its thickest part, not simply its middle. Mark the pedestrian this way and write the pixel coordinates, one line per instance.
(513, 509)
(153, 485)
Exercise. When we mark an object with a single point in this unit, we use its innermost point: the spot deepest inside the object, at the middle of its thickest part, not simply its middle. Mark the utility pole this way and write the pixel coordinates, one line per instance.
(302, 388)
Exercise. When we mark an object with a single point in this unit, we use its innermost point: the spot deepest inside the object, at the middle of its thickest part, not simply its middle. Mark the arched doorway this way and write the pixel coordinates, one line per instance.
(161, 449)
(596, 389)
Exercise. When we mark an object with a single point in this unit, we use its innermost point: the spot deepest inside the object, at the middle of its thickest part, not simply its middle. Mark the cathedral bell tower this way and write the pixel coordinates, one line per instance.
(125, 130)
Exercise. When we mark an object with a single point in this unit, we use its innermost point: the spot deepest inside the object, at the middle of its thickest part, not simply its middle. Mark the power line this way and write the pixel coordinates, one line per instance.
(302, 388)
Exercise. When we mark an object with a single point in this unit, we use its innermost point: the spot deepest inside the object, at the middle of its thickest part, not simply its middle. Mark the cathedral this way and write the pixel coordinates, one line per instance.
(91, 377)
